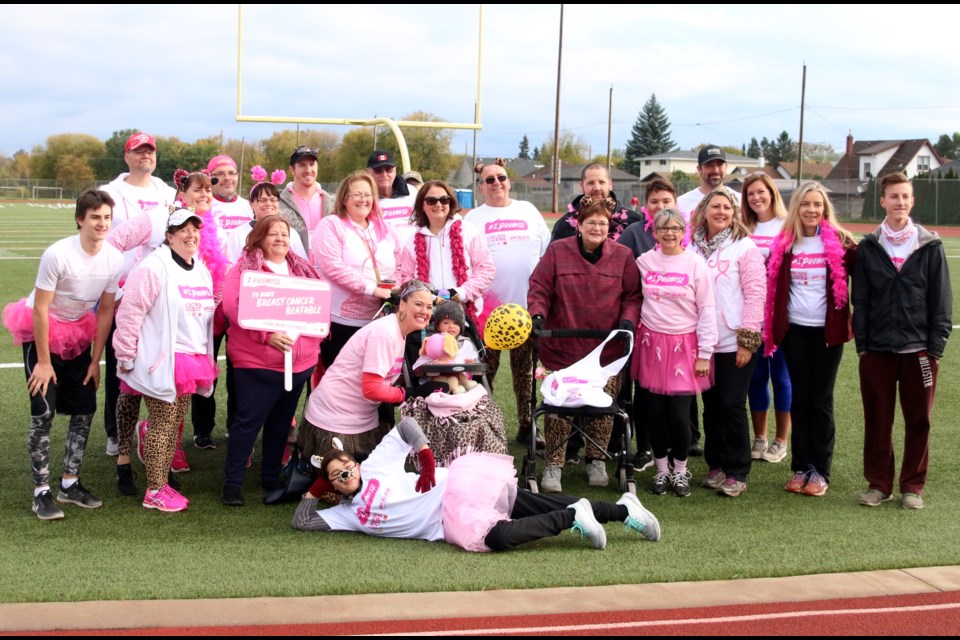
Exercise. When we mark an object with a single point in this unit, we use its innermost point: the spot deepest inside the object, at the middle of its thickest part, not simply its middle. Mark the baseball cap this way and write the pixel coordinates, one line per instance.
(380, 158)
(180, 216)
(710, 153)
(414, 175)
(141, 140)
(303, 152)
(220, 161)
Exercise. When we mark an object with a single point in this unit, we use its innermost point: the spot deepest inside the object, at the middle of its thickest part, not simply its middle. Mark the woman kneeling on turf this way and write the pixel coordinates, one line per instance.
(474, 504)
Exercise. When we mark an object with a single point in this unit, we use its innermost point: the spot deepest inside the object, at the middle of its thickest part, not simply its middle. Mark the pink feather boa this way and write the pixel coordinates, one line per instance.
(834, 250)
(460, 274)
(211, 252)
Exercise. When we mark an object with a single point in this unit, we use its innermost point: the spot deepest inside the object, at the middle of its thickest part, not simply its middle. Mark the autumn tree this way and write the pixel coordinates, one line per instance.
(429, 148)
(44, 159)
(574, 149)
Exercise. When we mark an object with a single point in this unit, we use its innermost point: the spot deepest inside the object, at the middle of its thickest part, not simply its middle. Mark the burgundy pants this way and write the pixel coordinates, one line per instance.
(880, 376)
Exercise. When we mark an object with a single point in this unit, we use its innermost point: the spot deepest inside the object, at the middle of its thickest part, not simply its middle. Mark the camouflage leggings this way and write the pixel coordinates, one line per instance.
(521, 366)
(38, 445)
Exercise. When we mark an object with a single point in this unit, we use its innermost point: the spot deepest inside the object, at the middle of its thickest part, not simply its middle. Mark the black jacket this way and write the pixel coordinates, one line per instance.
(621, 219)
(906, 310)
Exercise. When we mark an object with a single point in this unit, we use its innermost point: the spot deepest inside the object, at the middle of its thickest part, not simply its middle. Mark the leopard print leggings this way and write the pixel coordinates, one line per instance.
(165, 419)
(557, 430)
(521, 365)
(128, 411)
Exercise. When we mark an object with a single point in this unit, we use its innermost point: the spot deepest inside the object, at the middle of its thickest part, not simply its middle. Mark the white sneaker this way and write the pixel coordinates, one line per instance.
(597, 474)
(586, 523)
(113, 447)
(759, 447)
(550, 483)
(639, 518)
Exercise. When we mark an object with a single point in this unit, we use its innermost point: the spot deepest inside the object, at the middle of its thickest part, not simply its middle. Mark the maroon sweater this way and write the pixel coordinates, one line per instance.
(571, 293)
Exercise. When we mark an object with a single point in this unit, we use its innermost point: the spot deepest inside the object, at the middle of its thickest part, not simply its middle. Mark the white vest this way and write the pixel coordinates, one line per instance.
(724, 268)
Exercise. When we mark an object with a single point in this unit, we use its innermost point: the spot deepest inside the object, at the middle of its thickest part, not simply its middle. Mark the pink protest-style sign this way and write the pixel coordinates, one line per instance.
(296, 306)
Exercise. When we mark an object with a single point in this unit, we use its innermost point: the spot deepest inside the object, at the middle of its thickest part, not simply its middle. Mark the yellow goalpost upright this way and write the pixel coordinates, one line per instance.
(394, 125)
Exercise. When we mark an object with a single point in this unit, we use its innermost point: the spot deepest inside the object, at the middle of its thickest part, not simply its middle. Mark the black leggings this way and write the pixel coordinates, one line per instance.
(668, 420)
(535, 516)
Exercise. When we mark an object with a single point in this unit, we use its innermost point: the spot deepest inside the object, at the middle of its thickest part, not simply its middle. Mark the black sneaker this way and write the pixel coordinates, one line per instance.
(44, 508)
(695, 450)
(232, 496)
(172, 481)
(203, 442)
(125, 476)
(661, 482)
(642, 461)
(79, 495)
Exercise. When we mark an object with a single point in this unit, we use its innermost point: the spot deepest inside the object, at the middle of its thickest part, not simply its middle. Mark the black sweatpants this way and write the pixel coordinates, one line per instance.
(536, 515)
(726, 427)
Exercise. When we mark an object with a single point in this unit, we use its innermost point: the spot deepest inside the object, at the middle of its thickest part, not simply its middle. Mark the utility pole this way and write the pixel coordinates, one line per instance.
(803, 97)
(556, 122)
(609, 128)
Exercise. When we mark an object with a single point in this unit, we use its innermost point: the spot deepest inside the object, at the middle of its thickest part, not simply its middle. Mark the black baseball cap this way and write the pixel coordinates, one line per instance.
(303, 152)
(710, 153)
(380, 158)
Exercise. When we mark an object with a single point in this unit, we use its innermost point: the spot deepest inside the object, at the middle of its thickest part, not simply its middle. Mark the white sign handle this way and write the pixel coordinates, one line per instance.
(288, 363)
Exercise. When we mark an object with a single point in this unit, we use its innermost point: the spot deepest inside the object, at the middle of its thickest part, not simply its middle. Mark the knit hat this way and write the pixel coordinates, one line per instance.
(449, 310)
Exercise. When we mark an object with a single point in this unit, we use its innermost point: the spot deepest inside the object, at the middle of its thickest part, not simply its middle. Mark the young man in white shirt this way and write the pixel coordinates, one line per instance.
(56, 326)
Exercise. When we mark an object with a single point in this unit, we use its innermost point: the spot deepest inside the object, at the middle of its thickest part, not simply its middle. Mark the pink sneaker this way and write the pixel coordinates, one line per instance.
(141, 432)
(166, 499)
(179, 463)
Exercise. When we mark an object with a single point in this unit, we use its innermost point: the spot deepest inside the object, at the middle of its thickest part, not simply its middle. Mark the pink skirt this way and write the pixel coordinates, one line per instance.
(67, 339)
(481, 490)
(664, 363)
(191, 371)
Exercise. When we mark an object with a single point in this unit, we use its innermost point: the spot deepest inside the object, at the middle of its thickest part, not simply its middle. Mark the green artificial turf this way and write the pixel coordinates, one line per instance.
(122, 551)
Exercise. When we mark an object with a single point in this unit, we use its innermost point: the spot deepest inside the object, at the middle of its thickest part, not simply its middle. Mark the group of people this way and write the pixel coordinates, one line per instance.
(721, 299)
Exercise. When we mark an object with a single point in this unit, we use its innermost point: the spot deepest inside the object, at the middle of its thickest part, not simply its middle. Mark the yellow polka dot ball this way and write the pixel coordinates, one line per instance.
(508, 326)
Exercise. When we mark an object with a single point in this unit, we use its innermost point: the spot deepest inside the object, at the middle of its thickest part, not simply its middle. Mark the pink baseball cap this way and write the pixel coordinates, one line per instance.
(220, 161)
(140, 140)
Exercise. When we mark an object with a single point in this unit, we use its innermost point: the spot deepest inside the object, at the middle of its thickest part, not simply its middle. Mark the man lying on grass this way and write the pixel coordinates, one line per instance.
(474, 503)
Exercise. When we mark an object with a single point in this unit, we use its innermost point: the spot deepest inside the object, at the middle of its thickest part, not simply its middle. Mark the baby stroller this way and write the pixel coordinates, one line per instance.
(619, 447)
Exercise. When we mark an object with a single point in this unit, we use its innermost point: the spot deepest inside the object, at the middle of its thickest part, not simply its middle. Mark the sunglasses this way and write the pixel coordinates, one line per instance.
(430, 200)
(383, 169)
(491, 179)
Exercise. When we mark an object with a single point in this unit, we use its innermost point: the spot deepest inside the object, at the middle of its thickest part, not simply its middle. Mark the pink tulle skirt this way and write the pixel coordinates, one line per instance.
(67, 339)
(191, 371)
(663, 363)
(481, 490)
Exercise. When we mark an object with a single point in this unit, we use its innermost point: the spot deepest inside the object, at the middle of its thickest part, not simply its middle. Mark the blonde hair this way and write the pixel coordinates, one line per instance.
(794, 225)
(750, 218)
(699, 217)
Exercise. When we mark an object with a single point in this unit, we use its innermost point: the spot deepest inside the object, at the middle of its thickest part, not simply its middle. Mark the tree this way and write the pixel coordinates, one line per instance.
(616, 158)
(74, 173)
(819, 153)
(650, 136)
(43, 161)
(355, 147)
(573, 149)
(21, 164)
(536, 154)
(753, 151)
(275, 152)
(524, 148)
(113, 164)
(780, 150)
(948, 146)
(429, 148)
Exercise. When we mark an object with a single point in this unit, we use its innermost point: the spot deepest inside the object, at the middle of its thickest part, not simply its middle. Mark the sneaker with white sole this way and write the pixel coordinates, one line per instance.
(731, 487)
(776, 452)
(585, 523)
(179, 463)
(874, 498)
(550, 483)
(759, 447)
(660, 484)
(44, 507)
(166, 499)
(681, 483)
(113, 447)
(911, 501)
(714, 479)
(141, 432)
(597, 474)
(639, 518)
(79, 495)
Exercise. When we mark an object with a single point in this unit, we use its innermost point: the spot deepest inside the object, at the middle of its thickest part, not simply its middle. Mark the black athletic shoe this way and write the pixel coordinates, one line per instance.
(695, 450)
(79, 495)
(44, 507)
(125, 476)
(232, 496)
(172, 481)
(642, 461)
(203, 442)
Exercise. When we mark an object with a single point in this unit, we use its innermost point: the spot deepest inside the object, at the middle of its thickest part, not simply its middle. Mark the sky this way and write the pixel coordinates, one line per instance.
(723, 73)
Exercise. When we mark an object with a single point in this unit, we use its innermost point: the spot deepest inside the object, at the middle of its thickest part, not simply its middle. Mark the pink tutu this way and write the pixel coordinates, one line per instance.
(481, 490)
(191, 371)
(67, 339)
(663, 363)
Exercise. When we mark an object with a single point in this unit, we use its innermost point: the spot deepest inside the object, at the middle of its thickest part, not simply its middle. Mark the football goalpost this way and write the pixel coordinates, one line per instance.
(394, 125)
(52, 193)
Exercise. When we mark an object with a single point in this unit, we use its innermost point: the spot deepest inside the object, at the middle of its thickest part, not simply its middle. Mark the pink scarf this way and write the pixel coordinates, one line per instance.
(909, 232)
(783, 244)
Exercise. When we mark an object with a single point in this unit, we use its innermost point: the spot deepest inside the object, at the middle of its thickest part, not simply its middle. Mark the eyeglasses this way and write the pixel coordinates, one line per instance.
(444, 200)
(597, 224)
(491, 179)
(224, 174)
(268, 200)
(384, 169)
(670, 229)
(143, 151)
(308, 151)
(360, 196)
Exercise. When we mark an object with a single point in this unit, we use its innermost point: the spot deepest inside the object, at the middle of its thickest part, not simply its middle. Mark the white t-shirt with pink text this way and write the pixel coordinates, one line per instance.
(230, 215)
(396, 213)
(807, 305)
(338, 404)
(196, 310)
(899, 252)
(764, 235)
(517, 238)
